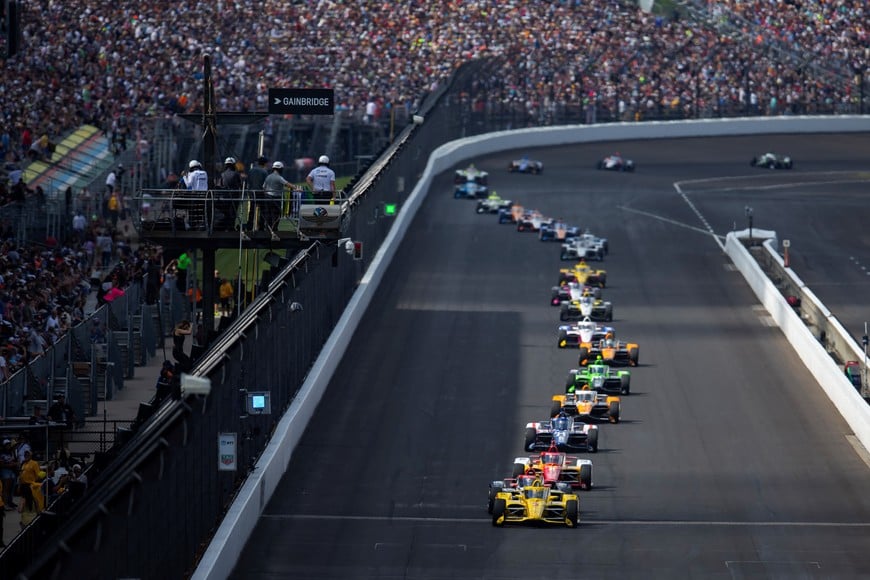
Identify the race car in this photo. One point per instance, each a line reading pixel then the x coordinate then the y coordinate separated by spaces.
pixel 582 273
pixel 595 309
pixel 554 467
pixel 470 190
pixel 493 204
pixel 526 165
pixel 557 231
pixel 616 162
pixel 510 215
pixel 612 352
pixel 772 161
pixel 600 378
pixel 470 173
pixel 572 335
pixel 584 247
pixel 536 503
pixel 587 406
pixel 566 433
pixel 564 293
pixel 522 478
pixel 531 221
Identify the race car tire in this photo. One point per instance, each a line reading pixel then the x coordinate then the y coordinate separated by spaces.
pixel 531 437
pixel 457 194
pixel 518 470
pixel 491 503
pixel 626 384
pixel 563 313
pixel 498 510
pixel 608 315
pixel 520 228
pixel 592 441
pixel 613 412
pixel 583 359
pixel 572 513
pixel 480 209
pixel 600 165
pixel 630 169
pixel 586 476
pixel 771 165
pixel 555 408
pixel 753 163
pixel 633 356
pixel 570 382
pixel 789 165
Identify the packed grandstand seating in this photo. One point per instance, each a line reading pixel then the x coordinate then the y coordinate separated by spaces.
pixel 105 63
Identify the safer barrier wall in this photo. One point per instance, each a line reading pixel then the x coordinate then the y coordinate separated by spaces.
pixel 817 360
pixel 824 325
pixel 228 542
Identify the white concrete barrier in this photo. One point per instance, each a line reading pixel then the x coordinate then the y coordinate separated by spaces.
pixel 824 369
pixel 226 546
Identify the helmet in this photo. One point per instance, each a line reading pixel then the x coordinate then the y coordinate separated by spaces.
pixel 609 335
pixel 277 165
pixel 230 161
pixel 323 159
pixel 261 159
pixel 193 164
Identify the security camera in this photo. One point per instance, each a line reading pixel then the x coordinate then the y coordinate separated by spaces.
pixel 295 307
pixel 418 119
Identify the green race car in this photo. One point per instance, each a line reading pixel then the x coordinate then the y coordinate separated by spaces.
pixel 599 377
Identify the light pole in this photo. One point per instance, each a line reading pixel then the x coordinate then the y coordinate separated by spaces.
pixel 748 211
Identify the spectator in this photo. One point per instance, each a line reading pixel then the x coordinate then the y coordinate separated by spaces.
pixel 27 506
pixel 226 297
pixel 183 362
pixel 79 476
pixel 62 412
pixel 29 469
pixel 9 468
pixel 79 224
pixel 111 182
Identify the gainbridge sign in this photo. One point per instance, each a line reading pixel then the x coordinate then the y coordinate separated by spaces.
pixel 301 101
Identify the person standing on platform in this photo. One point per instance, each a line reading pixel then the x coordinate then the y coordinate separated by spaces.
pixel 321 180
pixel 273 188
pixel 255 180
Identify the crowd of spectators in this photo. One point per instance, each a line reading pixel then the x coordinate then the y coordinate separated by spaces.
pixel 110 63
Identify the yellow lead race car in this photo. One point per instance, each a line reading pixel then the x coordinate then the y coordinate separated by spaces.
pixel 537 503
pixel 583 274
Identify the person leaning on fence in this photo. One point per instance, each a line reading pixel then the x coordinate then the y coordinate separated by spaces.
pixel 321 180
pixel 273 189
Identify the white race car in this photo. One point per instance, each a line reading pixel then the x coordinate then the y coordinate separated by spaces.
pixel 584 247
pixel 616 162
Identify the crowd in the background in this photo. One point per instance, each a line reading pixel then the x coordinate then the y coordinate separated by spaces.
pixel 110 62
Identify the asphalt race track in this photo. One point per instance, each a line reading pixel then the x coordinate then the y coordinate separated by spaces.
pixel 729 462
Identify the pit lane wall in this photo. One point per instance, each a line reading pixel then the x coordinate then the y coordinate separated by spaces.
pixel 227 544
pixel 828 330
pixel 796 326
